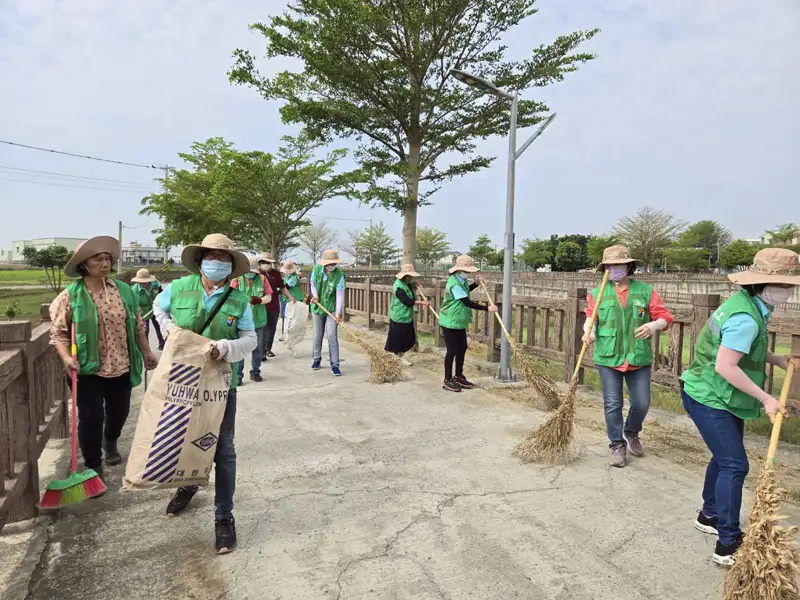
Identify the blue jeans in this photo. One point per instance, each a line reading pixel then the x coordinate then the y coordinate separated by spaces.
pixel 258 353
pixel 638 382
pixel 324 324
pixel 225 462
pixel 723 433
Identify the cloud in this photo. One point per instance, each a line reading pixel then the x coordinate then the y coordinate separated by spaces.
pixel 690 107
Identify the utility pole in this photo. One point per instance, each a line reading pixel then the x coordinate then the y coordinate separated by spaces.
pixel 119 259
pixel 369 250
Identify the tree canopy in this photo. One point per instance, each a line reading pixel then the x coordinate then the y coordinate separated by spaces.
pixel 315 238
pixel 371 246
pixel 535 253
pixel 482 249
pixel 569 256
pixel 52 259
pixel 432 245
pixel 648 233
pixel 738 254
pixel 379 72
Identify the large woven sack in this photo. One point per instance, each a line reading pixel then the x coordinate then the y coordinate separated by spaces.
pixel 296 323
pixel 179 420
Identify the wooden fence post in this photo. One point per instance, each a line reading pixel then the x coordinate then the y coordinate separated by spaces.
pixel 441 286
pixel 573 327
pixel 703 306
pixel 493 329
pixel 19 397
pixel 368 301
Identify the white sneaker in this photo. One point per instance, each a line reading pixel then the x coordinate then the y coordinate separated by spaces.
pixel 405 362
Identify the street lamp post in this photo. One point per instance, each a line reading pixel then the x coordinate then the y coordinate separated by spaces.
pixel 505 373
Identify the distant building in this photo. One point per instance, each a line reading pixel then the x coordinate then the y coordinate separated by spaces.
pixel 136 254
pixel 18 247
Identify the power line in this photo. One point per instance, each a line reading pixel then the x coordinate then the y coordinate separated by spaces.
pixel 68 176
pixel 339 218
pixel 106 160
pixel 79 187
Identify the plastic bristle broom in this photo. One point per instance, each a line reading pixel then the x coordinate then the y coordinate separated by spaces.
pixel 77 487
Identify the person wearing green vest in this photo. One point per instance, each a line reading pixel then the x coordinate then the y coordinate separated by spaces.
pixel 630 313
pixel 292 289
pixel 402 335
pixel 455 316
pixel 724 387
pixel 147 287
pixel 111 345
pixel 255 286
pixel 187 303
pixel 327 291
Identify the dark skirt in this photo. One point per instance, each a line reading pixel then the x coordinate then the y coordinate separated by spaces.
pixel 401 338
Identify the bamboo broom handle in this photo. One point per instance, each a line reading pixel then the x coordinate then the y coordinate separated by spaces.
pixel 497 315
pixel 592 319
pixel 342 325
pixel 421 293
pixel 776 426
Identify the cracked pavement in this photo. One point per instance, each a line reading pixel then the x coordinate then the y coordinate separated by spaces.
pixel 350 491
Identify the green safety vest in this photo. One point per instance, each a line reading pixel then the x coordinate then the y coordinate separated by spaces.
pixel 147 295
pixel 399 312
pixel 701 380
pixel 454 314
pixel 615 342
pixel 87 328
pixel 326 288
pixel 252 284
pixel 294 286
pixel 188 311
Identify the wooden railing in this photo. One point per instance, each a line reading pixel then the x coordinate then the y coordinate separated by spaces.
pixel 33 409
pixel 552 328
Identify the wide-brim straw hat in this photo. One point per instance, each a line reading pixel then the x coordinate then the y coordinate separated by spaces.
pixel 464 263
pixel 143 276
pixel 192 255
pixel 265 257
pixel 288 268
pixel 616 255
pixel 407 271
pixel 770 266
pixel 330 257
pixel 89 248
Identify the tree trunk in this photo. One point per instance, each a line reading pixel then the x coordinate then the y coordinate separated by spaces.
pixel 412 204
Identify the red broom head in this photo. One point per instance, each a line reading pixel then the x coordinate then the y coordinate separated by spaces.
pixel 94 487
pixel 51 500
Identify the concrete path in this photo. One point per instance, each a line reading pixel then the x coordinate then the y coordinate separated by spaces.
pixel 348 490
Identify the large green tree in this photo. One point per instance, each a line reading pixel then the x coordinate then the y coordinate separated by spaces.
pixel 709 236
pixel 569 256
pixel 535 253
pixel 783 234
pixel 258 199
pixel 596 245
pixel 738 254
pixel 52 259
pixel 648 233
pixel 482 249
pixel 379 72
pixel 687 259
pixel 374 246
pixel 432 245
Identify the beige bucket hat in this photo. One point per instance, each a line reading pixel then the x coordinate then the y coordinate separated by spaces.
pixel 143 276
pixel 770 265
pixel 88 249
pixel 330 257
pixel 464 263
pixel 617 255
pixel 265 257
pixel 192 254
pixel 288 268
pixel 407 271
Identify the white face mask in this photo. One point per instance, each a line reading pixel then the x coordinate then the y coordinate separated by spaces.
pixel 774 295
pixel 330 268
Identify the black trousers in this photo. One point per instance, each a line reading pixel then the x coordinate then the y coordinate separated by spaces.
pixel 456 342
pixel 103 407
pixel 269 332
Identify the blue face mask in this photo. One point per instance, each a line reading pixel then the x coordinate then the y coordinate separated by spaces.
pixel 216 270
pixel 461 275
pixel 291 280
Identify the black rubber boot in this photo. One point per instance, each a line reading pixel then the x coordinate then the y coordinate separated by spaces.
pixel 113 457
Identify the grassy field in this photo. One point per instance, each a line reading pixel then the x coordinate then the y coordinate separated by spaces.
pixel 24 277
pixel 28 301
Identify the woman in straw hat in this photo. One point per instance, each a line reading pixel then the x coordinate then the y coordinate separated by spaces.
pixel 327 290
pixel 724 387
pixel 630 313
pixel 402 336
pixel 111 342
pixel 455 317
pixel 256 287
pixel 147 287
pixel 266 266
pixel 187 304
pixel 292 289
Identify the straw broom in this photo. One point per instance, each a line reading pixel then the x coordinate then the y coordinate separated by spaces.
pixel 550 442
pixel 540 382
pixel 767 564
pixel 383 367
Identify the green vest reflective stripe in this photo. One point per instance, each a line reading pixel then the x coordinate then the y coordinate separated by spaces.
pixel 147 295
pixel 399 312
pixel 87 328
pixel 454 313
pixel 188 311
pixel 294 286
pixel 614 340
pixel 254 286
pixel 326 288
pixel 701 380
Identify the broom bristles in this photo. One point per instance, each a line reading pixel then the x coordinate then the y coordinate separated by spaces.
pixel 551 441
pixel 383 367
pixel 539 381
